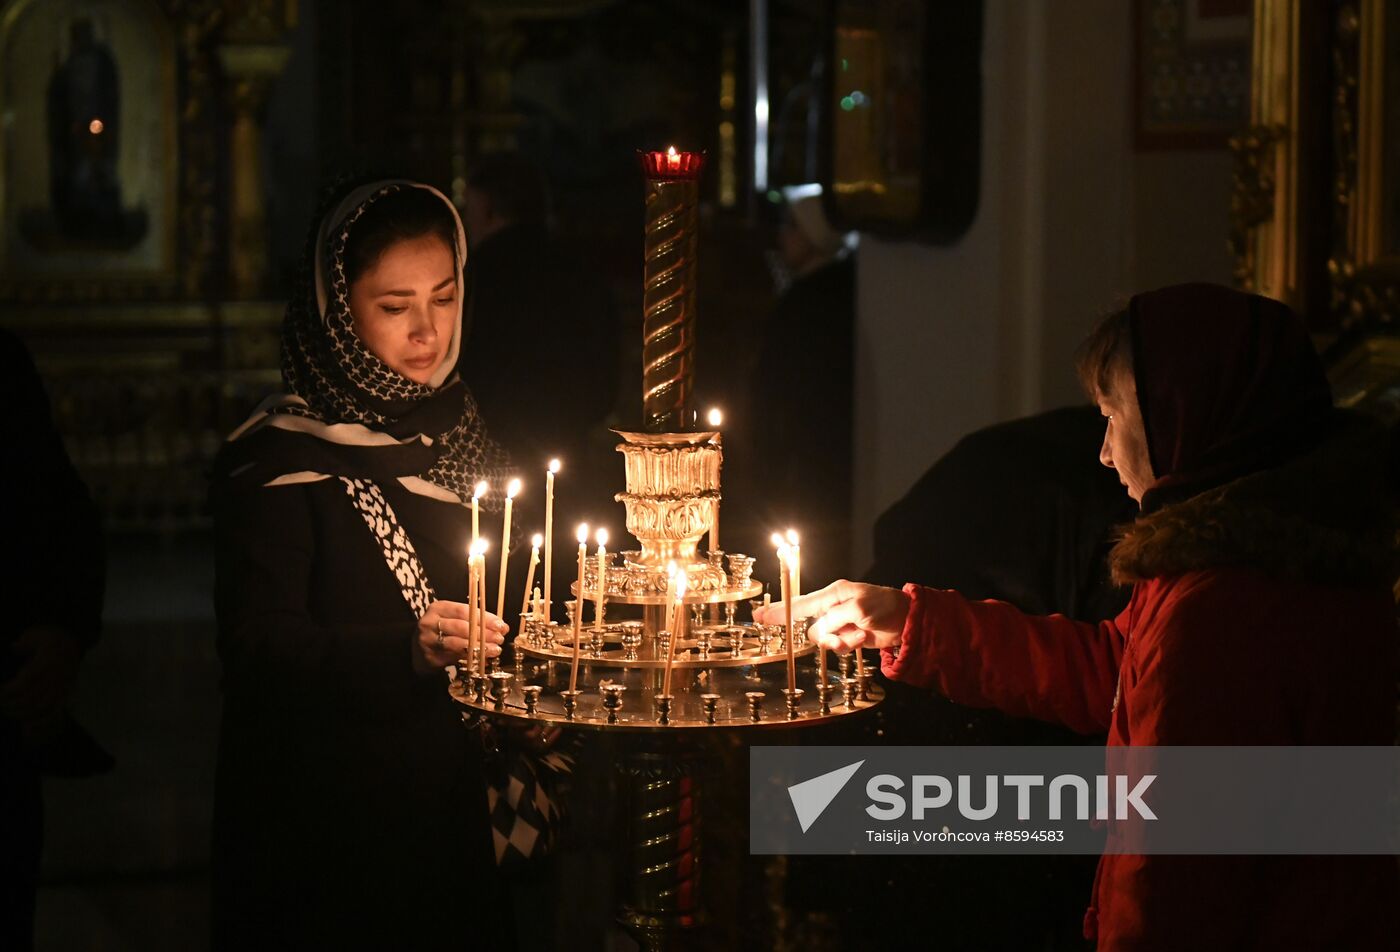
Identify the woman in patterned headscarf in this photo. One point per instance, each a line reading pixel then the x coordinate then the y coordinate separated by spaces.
pixel 351 807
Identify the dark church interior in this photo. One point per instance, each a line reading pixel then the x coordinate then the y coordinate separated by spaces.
pixel 867 238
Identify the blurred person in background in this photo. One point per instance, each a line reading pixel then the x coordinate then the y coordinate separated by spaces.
pixel 54 575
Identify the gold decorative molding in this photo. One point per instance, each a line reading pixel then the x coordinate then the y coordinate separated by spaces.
pixel 251 69
pixel 1252 195
pixel 1264 227
pixel 1363 272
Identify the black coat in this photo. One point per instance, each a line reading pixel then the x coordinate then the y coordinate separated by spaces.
pixel 350 808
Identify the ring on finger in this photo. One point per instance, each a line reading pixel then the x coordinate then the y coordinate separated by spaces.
pixel 439 633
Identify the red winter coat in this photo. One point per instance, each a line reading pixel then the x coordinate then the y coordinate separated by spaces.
pixel 1278 629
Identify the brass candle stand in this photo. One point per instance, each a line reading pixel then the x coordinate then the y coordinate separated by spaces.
pixel 725 674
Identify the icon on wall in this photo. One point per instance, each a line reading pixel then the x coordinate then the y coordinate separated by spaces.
pixel 88 160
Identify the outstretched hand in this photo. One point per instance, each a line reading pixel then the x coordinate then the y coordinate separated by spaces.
pixel 846 615
pixel 444 636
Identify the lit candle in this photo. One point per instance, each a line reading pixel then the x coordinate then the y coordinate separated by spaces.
pixel 677 596
pixel 512 488
pixel 549 536
pixel 578 604
pixel 602 537
pixel 478 629
pixel 530 573
pixel 474 564
pixel 785 572
pixel 479 490
pixel 715 418
pixel 471 606
pixel 795 554
pixel 673 160
pixel 678 628
pixel 670 595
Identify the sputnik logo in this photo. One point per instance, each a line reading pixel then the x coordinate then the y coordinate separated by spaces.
pixel 810 798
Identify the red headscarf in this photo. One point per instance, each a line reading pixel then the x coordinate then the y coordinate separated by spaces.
pixel 1228 383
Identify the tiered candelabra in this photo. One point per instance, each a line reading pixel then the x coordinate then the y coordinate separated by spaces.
pixel 665 650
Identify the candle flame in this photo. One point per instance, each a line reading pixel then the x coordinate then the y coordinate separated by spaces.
pixel 512 488
pixel 554 466
pixel 481 489
pixel 680 583
pixel 792 536
pixel 478 548
pixel 601 536
pixel 715 417
pixel 537 540
pixel 777 540
pixel 582 533
pixel 671 150
pixel 671 569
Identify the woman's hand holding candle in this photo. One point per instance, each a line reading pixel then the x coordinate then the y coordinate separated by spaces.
pixel 454 620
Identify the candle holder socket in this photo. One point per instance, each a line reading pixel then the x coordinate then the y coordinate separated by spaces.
pixel 662 704
pixel 570 703
pixel 500 688
pixel 755 699
pixel 704 636
pixel 532 694
pixel 736 640
pixel 792 698
pixel 710 703
pixel 612 700
pixel 631 638
pixel 848 691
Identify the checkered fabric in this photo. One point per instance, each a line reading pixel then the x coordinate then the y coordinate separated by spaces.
pixel 522 788
pixel 526 811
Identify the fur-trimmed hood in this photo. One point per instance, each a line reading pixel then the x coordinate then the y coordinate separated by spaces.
pixel 1328 517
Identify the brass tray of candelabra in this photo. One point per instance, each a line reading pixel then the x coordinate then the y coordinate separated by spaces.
pixel 731 676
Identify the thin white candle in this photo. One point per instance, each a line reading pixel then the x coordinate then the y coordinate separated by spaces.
pixel 474 564
pixel 530 573
pixel 715 418
pixel 602 539
pixel 670 596
pixel 471 612
pixel 481 599
pixel 785 572
pixel 578 605
pixel 549 536
pixel 676 591
pixel 795 555
pixel 512 488
pixel 479 490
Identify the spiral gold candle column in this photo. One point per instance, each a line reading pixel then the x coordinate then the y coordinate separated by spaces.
pixel 668 288
pixel 662 805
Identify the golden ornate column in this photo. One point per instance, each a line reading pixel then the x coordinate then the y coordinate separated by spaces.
pixel 251 69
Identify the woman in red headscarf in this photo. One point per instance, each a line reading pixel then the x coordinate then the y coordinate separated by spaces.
pixel 1262 611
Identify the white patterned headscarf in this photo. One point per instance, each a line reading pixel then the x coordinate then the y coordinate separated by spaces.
pixel 345 411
